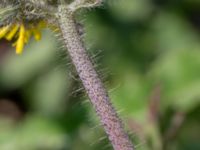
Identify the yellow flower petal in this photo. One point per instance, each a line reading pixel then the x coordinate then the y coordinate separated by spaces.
pixel 12 33
pixel 27 36
pixel 21 40
pixel 37 34
pixel 21 34
pixel 3 31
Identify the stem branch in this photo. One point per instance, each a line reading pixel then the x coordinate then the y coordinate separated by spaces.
pixel 92 83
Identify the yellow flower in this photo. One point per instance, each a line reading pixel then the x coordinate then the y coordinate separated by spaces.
pixel 21 33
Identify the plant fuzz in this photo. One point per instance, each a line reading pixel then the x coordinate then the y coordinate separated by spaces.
pixel 64 11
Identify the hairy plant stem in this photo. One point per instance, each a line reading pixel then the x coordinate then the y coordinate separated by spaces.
pixel 92 83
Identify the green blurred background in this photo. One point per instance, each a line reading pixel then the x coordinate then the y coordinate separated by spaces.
pixel 148 54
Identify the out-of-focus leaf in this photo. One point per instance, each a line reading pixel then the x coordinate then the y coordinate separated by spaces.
pixel 174 33
pixel 132 95
pixel 179 74
pixel 48 93
pixel 33 133
pixel 129 10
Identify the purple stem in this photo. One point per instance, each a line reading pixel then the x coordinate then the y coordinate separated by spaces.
pixel 92 83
